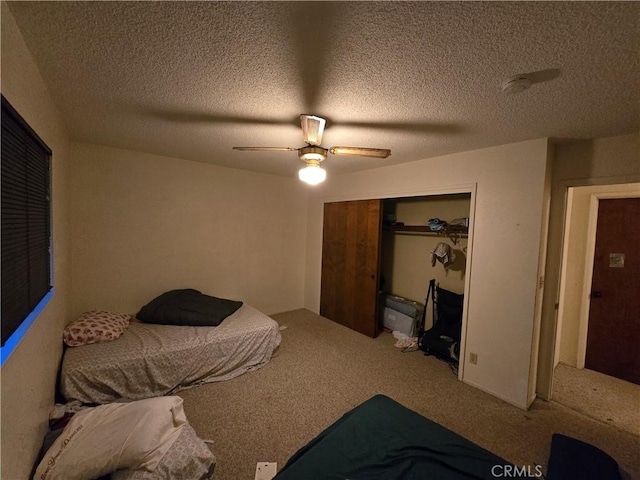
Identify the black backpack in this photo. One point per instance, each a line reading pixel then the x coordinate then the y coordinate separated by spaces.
pixel 443 339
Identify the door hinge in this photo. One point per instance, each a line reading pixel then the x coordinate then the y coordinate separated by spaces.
pixel 541 282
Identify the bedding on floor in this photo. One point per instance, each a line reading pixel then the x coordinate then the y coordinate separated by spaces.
pixel 383 440
pixel 150 360
pixel 147 439
pixel 189 458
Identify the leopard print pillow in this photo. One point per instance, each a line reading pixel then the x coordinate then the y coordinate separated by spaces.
pixel 94 327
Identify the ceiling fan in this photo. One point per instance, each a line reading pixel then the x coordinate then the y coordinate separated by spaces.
pixel 313 154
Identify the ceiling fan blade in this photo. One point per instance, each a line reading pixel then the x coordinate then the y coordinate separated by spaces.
pixel 312 129
pixel 361 152
pixel 267 149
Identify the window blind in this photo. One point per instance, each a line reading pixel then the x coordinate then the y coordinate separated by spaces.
pixel 26 230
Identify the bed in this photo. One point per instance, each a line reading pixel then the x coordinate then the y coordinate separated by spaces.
pixel 150 360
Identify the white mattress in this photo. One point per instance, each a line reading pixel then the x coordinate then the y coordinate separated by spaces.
pixel 153 360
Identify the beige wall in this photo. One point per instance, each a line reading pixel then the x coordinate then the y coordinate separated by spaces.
pixel 602 161
pixel 509 212
pixel 28 376
pixel 144 224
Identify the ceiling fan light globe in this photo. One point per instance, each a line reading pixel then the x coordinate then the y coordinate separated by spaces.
pixel 312 174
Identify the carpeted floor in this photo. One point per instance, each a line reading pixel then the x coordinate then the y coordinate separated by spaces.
pixel 599 396
pixel 321 370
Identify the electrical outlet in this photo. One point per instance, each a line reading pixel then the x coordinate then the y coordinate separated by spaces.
pixel 473 358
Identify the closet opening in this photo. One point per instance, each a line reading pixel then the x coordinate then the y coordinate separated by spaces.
pixel 423 238
pixel 376 249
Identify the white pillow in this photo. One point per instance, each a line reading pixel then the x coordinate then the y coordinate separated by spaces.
pixel 100 440
pixel 189 458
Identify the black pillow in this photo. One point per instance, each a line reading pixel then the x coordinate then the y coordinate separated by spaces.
pixel 571 458
pixel 187 307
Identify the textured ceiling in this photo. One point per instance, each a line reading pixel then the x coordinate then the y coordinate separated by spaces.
pixel 193 79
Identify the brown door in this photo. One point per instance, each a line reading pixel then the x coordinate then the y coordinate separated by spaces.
pixel 613 337
pixel 350 260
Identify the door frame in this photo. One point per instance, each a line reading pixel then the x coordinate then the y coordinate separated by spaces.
pixel 598 191
pixel 589 261
pixel 467 188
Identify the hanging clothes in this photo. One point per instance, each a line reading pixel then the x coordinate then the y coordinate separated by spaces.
pixel 443 253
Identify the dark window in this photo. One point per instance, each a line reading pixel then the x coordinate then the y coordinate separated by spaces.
pixel 26 230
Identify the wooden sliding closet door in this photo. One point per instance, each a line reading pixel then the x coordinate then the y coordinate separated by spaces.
pixel 350 261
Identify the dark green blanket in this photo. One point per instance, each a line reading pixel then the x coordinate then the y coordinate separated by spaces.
pixel 382 440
